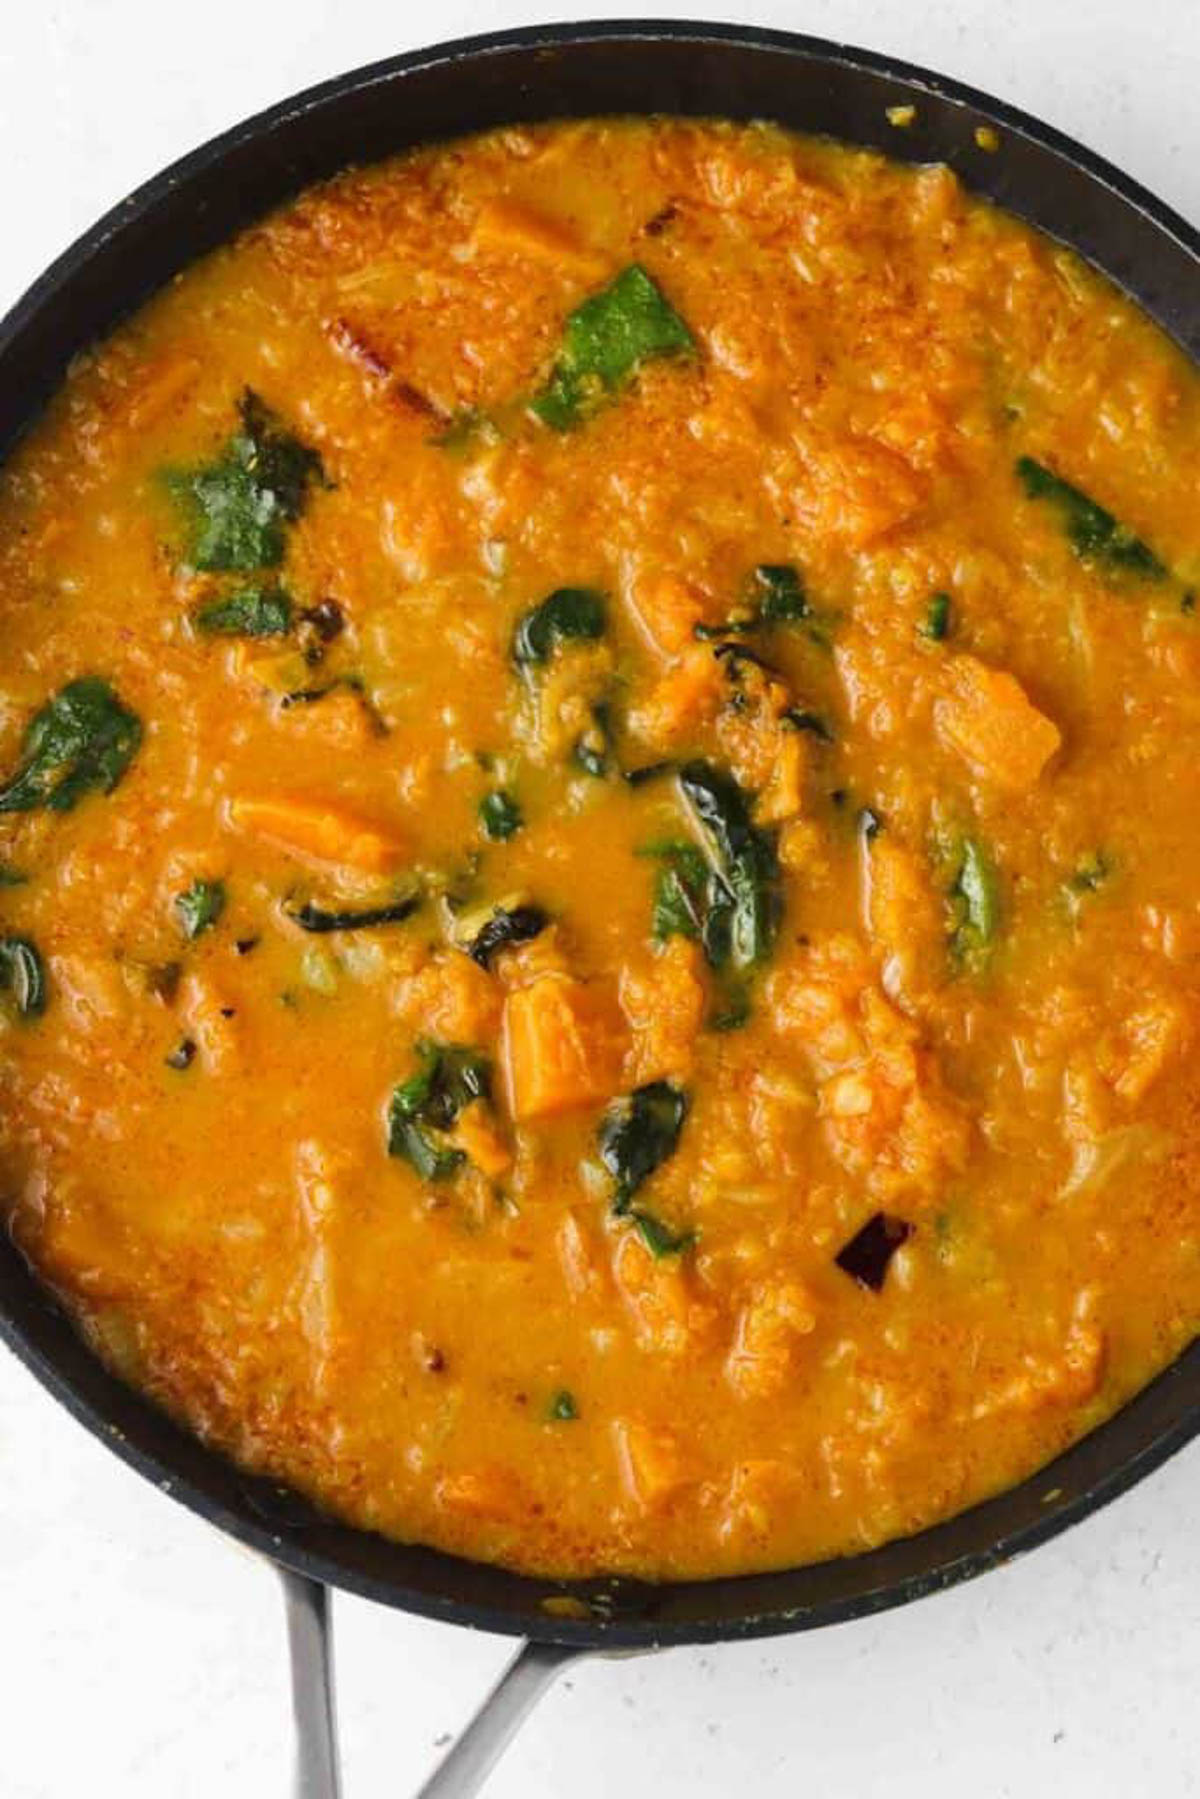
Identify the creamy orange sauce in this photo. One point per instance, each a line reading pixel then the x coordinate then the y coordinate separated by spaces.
pixel 968 1023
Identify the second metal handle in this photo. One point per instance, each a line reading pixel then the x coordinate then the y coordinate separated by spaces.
pixel 318 1776
pixel 533 1668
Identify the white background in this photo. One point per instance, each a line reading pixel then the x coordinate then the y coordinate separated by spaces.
pixel 141 1655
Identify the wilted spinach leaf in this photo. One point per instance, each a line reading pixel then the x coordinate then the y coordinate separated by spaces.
pixel 200 907
pixel 238 506
pixel 82 740
pixel 424 1107
pixel 567 613
pixel 605 341
pixel 743 918
pixel 637 1134
pixel 1094 534
pixel 681 890
pixel 974 902
pixel 779 588
pixel 936 623
pixel 658 1237
pixel 250 612
pixel 774 594
pixel 500 815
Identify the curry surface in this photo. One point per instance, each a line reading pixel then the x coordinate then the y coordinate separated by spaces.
pixel 969 1014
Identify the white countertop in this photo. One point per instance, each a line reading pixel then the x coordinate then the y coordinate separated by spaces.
pixel 143 1655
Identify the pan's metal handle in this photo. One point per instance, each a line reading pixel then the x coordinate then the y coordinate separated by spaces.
pixel 310 1637
pixel 533 1668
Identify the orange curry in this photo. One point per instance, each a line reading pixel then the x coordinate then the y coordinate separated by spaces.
pixel 600 928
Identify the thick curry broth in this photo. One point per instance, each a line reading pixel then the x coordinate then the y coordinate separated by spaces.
pixel 997 1053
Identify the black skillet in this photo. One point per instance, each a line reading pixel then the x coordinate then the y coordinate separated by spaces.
pixel 549 72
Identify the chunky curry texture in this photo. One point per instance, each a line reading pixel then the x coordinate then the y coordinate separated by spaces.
pixel 600 940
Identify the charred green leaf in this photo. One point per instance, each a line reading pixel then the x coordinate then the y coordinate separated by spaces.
pixel 1091 874
pixel 801 720
pixel 593 749
pixel 321 920
pixel 23 976
pixel 504 928
pixel 648 771
pixel 868 1254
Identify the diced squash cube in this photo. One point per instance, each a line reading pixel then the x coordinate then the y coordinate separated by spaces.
pixel 319 832
pixel 562 1046
pixel 667 607
pixel 904 917
pixel 83 1246
pixel 687 695
pixel 487 1492
pixel 664 1000
pixel 653 1468
pixel 757 1490
pixel 452 999
pixel 857 491
pixel 668 1318
pixel 988 719
pixel 508 224
pixel 341 722
pixel 776 1317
